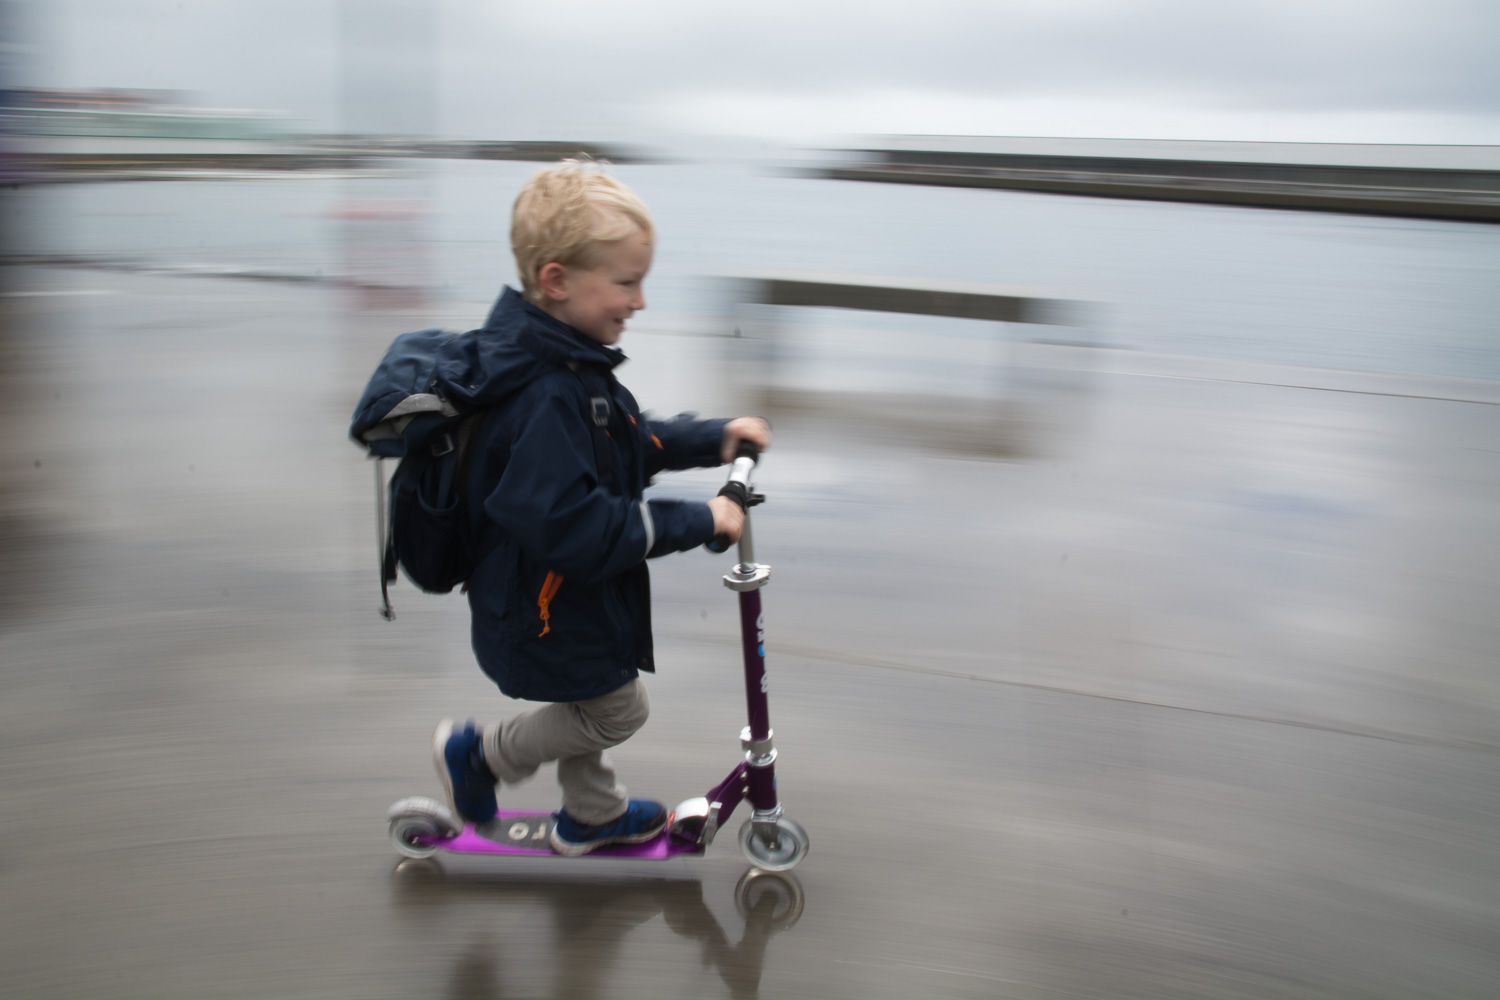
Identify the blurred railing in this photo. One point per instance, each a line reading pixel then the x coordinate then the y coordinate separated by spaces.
pixel 971 388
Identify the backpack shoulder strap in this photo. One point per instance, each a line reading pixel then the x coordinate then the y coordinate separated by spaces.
pixel 596 386
pixel 490 534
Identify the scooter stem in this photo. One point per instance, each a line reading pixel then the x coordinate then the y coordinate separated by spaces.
pixel 747 545
pixel 760 752
pixel 747 578
pixel 753 636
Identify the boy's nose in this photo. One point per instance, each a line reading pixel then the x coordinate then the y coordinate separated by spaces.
pixel 639 302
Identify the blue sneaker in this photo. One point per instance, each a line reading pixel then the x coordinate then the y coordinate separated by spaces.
pixel 641 821
pixel 458 755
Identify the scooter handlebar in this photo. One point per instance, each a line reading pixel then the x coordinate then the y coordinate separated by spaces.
pixel 737 488
pixel 746 449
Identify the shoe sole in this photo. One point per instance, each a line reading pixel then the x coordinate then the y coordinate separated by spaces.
pixel 440 737
pixel 569 849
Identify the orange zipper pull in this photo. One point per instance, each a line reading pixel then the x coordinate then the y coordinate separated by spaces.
pixel 544 600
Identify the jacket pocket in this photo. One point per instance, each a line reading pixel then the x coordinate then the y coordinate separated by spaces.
pixel 567 620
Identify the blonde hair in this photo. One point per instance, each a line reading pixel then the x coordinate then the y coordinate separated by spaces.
pixel 564 213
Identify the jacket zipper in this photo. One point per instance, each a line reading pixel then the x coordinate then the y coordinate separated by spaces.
pixel 544 600
pixel 654 439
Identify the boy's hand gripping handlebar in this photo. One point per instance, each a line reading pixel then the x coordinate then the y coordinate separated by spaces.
pixel 738 489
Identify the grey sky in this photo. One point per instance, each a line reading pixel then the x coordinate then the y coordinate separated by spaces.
pixel 1340 70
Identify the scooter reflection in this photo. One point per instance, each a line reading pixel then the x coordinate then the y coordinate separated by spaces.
pixel 589 921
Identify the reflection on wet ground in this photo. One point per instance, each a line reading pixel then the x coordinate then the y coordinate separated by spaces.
pixel 580 925
pixel 1197 700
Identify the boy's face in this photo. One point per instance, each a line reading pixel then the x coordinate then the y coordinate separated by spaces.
pixel 598 300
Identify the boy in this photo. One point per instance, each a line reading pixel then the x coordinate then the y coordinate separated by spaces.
pixel 561 605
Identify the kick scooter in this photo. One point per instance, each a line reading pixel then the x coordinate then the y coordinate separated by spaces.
pixel 421 827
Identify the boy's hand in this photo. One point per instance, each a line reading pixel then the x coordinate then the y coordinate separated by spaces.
pixel 752 429
pixel 729 519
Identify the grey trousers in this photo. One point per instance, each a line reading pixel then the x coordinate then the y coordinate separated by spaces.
pixel 575 734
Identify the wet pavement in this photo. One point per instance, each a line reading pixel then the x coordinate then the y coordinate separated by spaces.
pixel 1197 698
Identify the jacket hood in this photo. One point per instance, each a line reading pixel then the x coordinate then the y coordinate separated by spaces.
pixel 517 343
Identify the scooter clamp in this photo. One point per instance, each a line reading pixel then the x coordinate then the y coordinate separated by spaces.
pixel 758 753
pixel 748 576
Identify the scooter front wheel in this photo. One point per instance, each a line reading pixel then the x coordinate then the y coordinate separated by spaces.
pixel 787 852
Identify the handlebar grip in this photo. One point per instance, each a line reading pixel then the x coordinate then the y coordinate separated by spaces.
pixel 737 491
pixel 740 494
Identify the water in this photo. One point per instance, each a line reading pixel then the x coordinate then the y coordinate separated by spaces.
pixel 1339 291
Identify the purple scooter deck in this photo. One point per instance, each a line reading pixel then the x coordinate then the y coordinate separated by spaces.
pixel 526 834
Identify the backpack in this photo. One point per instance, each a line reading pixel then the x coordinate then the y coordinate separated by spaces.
pixel 403 415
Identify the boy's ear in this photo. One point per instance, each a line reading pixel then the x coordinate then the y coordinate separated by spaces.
pixel 553 279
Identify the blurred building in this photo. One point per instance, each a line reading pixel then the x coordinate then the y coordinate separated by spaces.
pixel 146 114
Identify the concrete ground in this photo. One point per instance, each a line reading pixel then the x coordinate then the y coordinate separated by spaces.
pixel 1196 699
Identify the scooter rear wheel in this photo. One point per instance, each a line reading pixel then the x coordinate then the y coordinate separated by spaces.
pixel 416 822
pixel 789 850
pixel 409 832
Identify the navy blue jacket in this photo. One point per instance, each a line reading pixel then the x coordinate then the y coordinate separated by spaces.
pixel 562 605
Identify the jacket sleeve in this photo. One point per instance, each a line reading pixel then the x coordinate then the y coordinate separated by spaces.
pixel 550 501
pixel 682 443
pixel 679 525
